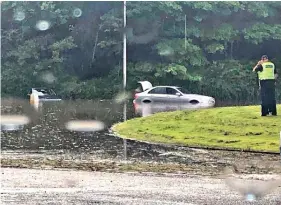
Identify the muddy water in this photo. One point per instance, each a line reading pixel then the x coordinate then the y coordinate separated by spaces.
pixel 47 135
pixel 47 128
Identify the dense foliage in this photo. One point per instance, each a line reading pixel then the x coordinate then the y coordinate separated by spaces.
pixel 79 46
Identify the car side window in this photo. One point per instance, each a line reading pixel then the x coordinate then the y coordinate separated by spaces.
pixel 171 91
pixel 158 91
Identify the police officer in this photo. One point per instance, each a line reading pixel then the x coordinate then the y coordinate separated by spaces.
pixel 267 75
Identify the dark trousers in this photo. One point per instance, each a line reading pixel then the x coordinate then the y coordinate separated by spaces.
pixel 268 100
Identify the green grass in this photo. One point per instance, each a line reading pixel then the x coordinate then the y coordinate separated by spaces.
pixel 230 127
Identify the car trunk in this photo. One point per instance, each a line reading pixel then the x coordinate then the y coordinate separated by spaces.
pixel 143 86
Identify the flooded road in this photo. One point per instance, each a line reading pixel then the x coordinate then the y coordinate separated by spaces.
pixel 47 129
pixel 47 136
pixel 47 132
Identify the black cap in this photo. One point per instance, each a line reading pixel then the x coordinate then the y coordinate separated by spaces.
pixel 264 57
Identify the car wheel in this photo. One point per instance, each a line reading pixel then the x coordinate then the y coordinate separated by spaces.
pixel 146 101
pixel 193 102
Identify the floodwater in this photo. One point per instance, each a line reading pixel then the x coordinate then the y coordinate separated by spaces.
pixel 47 130
pixel 47 134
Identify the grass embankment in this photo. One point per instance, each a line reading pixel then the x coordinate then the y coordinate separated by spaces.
pixel 231 127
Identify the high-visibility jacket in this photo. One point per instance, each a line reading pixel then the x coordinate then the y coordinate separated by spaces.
pixel 268 71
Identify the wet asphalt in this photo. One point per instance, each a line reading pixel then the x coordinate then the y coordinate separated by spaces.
pixel 30 186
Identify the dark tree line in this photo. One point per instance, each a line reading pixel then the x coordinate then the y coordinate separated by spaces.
pixel 81 46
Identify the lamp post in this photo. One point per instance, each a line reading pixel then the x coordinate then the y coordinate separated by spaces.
pixel 124 73
pixel 124 48
pixel 185 32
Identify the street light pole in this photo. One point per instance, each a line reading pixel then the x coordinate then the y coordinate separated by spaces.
pixel 125 73
pixel 124 49
pixel 185 32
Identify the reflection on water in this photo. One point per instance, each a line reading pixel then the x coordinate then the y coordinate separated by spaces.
pixel 146 109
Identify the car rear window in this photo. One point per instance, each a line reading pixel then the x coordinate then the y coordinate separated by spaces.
pixel 159 90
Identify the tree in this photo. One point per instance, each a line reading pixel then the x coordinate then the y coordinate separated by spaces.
pixel 80 43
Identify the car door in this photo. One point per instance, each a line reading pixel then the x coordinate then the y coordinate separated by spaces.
pixel 172 95
pixel 158 95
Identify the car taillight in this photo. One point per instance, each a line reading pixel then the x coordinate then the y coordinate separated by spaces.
pixel 136 95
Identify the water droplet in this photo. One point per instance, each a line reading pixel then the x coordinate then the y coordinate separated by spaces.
pixel 250 189
pixel 250 197
pixel 13 122
pixel 43 25
pixel 48 77
pixel 77 12
pixel 166 52
pixel 85 125
pixel 15 119
pixel 122 97
pixel 19 15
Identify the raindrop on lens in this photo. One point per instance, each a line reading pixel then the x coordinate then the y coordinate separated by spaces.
pixel 13 122
pixel 166 52
pixel 48 78
pixel 42 25
pixel 250 197
pixel 85 125
pixel 122 97
pixel 19 15
pixel 77 12
pixel 251 191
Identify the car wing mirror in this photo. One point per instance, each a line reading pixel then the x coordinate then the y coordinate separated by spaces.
pixel 178 94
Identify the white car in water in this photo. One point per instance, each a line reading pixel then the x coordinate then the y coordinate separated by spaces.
pixel 45 94
pixel 169 97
